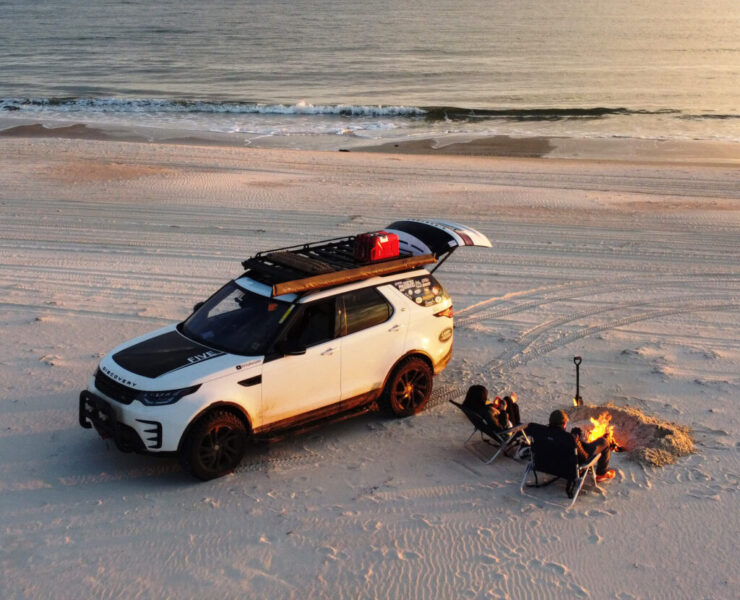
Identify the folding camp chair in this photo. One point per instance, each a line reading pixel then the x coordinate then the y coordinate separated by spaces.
pixel 554 453
pixel 500 439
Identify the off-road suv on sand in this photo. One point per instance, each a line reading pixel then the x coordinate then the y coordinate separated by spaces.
pixel 307 334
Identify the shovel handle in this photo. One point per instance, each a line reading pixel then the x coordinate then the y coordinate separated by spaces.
pixel 577 360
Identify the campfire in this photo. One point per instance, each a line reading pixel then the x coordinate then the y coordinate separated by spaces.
pixel 644 439
pixel 602 426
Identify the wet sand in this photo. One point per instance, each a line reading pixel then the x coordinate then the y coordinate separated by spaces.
pixel 615 149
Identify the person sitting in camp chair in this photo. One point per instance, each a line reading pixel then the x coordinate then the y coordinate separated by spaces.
pixel 562 455
pixel 587 450
pixel 476 399
pixel 492 424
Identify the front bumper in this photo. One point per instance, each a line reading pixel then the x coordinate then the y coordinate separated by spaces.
pixel 96 412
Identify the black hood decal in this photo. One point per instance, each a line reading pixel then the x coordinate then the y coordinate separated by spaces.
pixel 163 354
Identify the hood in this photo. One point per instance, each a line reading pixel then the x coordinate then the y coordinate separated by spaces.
pixel 163 353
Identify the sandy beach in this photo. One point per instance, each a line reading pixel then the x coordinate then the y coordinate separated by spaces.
pixel 629 259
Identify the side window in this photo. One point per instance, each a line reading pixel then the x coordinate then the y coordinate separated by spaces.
pixel 424 290
pixel 315 324
pixel 365 308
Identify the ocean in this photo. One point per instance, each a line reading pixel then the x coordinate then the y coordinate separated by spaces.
pixel 375 69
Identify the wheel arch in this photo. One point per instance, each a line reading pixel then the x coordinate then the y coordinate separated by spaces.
pixel 387 399
pixel 411 354
pixel 231 407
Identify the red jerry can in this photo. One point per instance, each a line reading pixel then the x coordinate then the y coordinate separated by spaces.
pixel 376 245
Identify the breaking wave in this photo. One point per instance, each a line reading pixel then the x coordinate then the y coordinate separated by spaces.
pixel 159 106
pixel 428 113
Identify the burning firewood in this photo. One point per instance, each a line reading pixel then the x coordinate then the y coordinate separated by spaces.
pixel 645 439
pixel 602 426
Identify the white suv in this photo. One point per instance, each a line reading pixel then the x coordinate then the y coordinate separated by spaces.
pixel 306 335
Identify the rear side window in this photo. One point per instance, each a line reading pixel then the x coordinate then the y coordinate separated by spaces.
pixel 424 290
pixel 365 308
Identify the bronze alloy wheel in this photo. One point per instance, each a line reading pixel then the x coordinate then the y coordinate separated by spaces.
pixel 409 387
pixel 216 445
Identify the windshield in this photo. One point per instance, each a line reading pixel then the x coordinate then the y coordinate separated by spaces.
pixel 237 321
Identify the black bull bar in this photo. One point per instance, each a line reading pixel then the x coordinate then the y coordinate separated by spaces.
pixel 98 413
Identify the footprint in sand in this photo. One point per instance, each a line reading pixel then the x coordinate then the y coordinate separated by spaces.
pixel 594 537
pixel 371 526
pixel 433 521
pixel 407 555
pixel 579 591
pixel 600 513
pixel 702 494
pixel 332 553
pixel 384 553
pixel 556 568
pixel 50 359
pixel 699 475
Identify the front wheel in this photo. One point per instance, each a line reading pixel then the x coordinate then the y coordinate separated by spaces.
pixel 409 387
pixel 215 446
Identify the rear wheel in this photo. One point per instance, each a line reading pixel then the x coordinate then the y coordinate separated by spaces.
pixel 409 387
pixel 215 446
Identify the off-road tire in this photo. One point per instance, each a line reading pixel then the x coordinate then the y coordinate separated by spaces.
pixel 215 445
pixel 409 387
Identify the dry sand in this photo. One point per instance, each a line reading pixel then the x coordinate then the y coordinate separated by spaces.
pixel 635 267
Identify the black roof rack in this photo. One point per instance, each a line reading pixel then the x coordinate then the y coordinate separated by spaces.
pixel 321 264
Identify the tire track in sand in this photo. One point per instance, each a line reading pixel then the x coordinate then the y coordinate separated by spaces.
pixel 526 347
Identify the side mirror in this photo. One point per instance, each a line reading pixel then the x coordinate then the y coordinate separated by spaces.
pixel 290 348
pixel 198 305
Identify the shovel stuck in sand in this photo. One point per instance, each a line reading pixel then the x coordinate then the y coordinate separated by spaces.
pixel 577 400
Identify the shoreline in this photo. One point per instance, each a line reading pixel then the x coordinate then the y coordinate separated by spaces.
pixel 623 149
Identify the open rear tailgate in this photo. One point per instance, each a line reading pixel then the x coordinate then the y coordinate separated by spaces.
pixel 435 236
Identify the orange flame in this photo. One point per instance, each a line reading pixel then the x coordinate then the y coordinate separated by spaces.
pixel 601 426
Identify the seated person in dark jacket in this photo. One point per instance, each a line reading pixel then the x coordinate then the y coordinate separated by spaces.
pixel 477 400
pixel 587 450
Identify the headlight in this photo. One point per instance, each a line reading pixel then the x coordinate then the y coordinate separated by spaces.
pixel 165 396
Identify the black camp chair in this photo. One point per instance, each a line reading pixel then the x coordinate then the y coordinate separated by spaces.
pixel 500 439
pixel 554 453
